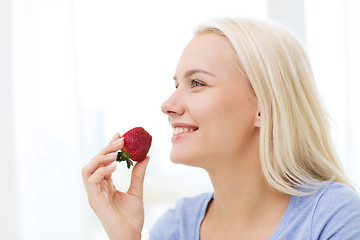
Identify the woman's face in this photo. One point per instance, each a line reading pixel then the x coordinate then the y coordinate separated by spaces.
pixel 212 112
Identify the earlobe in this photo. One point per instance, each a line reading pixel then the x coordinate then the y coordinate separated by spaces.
pixel 258 119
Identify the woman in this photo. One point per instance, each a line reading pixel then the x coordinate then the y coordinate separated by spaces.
pixel 246 110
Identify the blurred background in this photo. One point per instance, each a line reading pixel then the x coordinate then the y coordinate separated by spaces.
pixel 73 72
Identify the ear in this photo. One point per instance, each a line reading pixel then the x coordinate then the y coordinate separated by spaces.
pixel 257 122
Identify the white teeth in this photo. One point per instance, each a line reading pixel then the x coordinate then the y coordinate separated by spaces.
pixel 179 130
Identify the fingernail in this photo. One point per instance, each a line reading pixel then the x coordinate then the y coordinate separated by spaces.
pixel 118 141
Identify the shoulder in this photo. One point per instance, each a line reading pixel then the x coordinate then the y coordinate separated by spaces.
pixel 180 222
pixel 337 212
pixel 331 212
pixel 337 196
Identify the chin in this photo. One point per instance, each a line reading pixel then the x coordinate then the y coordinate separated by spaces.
pixel 184 159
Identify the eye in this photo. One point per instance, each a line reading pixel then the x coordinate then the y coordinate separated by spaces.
pixel 196 83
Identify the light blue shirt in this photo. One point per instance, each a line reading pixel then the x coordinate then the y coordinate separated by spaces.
pixel 333 212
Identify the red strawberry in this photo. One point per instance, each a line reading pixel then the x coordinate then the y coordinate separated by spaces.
pixel 137 143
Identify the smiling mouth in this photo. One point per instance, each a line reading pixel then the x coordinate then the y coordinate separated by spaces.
pixel 179 130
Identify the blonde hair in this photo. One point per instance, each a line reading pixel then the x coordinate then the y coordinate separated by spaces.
pixel 296 149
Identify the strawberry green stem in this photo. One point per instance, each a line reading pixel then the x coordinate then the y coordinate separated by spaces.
pixel 124 156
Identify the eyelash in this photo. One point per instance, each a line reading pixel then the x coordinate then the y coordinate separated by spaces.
pixel 193 83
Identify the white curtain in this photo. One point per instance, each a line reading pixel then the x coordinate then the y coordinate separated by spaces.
pixel 73 64
pixel 47 121
pixel 333 33
pixel 330 31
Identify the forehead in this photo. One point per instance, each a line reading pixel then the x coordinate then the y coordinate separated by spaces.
pixel 208 51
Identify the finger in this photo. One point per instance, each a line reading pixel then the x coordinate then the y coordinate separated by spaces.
pixel 100 174
pixel 95 185
pixel 137 178
pixel 105 156
pixel 96 162
pixel 113 146
pixel 106 185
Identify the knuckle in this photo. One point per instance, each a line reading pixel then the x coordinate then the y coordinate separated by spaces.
pixel 84 171
pixel 91 181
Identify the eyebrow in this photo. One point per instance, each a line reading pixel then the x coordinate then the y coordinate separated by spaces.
pixel 194 71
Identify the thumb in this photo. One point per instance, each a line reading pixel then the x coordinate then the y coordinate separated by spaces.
pixel 137 178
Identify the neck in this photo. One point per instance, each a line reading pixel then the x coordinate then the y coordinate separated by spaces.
pixel 242 199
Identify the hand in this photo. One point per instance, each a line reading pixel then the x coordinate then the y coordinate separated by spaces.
pixel 121 214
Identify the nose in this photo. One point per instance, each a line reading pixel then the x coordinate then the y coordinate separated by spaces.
pixel 173 105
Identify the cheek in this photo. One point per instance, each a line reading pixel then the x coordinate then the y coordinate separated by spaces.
pixel 227 125
pixel 221 114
